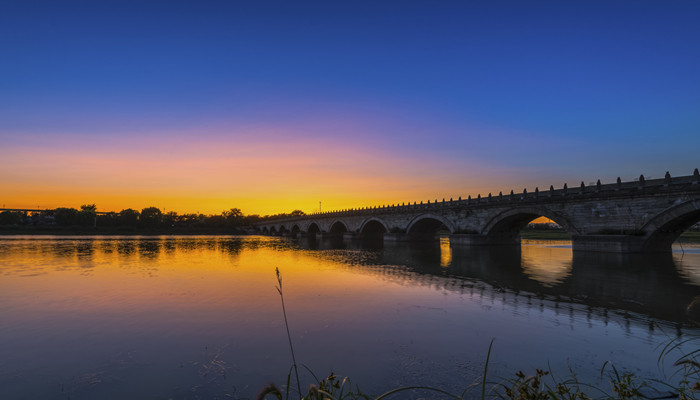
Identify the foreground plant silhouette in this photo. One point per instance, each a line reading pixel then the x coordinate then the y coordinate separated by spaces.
pixel 542 385
pixel 286 324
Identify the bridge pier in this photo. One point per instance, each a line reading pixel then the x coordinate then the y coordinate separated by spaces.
pixel 352 235
pixel 609 243
pixel 580 243
pixel 396 237
pixel 317 235
pixel 407 237
pixel 471 239
pixel 325 235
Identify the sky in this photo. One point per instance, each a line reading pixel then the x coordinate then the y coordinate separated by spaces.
pixel 203 106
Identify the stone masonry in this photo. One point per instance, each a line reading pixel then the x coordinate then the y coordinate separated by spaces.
pixel 638 216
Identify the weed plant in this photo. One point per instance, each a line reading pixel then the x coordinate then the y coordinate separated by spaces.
pixel 542 385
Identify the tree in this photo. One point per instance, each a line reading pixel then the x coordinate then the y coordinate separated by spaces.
pixel 87 214
pixel 214 220
pixel 296 213
pixel 189 219
pixel 151 216
pixel 88 208
pixel 233 217
pixel 10 218
pixel 66 216
pixel 128 217
pixel 252 219
pixel 108 219
pixel 170 218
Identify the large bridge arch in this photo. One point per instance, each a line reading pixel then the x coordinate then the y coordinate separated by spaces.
pixel 506 226
pixel 338 227
pixel 295 229
pixel 313 228
pixel 373 225
pixel 429 224
pixel 663 229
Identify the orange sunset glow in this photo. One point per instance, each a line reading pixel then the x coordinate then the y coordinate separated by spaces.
pixel 259 177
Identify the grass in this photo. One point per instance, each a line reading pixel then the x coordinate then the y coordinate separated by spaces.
pixel 541 385
pixel 286 324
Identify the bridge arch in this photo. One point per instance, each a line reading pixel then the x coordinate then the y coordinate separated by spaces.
pixel 338 227
pixel 273 231
pixel 283 230
pixel 506 226
pixel 295 229
pixel 429 224
pixel 373 225
pixel 265 231
pixel 313 228
pixel 667 226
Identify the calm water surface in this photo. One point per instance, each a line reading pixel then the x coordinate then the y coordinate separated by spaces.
pixel 199 317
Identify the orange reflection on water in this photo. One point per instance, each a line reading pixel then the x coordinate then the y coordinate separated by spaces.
pixel 445 252
pixel 190 280
pixel 687 259
pixel 548 262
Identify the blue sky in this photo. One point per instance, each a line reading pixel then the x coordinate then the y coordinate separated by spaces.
pixel 485 95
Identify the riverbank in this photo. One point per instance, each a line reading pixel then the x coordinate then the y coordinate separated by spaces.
pixel 111 231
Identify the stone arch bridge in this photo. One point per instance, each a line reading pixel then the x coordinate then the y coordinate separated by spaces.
pixel 638 216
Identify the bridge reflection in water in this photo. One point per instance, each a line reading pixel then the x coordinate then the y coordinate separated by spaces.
pixel 660 288
pixel 389 314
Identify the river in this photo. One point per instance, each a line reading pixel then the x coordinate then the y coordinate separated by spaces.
pixel 198 317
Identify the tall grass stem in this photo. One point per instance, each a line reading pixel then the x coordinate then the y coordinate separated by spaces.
pixel 486 368
pixel 289 336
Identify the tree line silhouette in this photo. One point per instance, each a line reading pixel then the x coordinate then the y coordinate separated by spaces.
pixel 149 218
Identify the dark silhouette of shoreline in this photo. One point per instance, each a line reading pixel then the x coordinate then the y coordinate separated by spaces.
pixel 149 221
